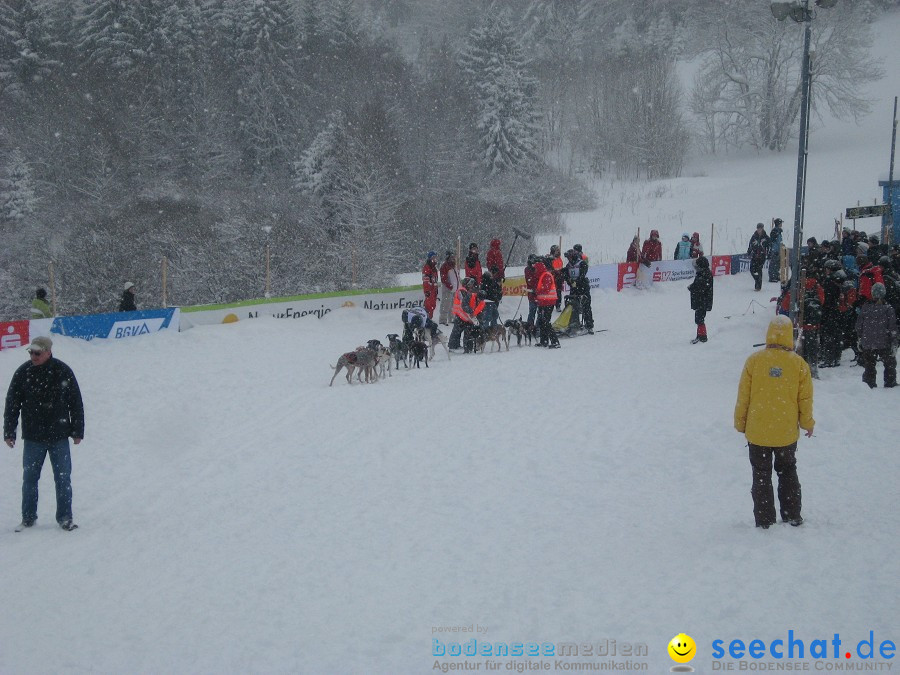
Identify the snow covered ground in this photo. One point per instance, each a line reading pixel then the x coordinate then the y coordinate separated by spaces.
pixel 238 515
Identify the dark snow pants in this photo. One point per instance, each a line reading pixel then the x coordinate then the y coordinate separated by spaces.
pixel 869 357
pixel 756 270
pixel 788 483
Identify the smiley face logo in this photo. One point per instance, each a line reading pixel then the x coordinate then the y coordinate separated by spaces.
pixel 682 648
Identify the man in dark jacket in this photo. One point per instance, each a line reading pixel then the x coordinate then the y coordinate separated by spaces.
pixel 127 302
pixel 877 329
pixel 493 294
pixel 576 276
pixel 758 250
pixel 46 393
pixel 776 236
pixel 832 321
pixel 701 290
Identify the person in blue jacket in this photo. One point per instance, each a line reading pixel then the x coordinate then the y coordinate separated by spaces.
pixel 683 248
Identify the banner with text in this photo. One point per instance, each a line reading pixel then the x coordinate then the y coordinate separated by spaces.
pixel 118 325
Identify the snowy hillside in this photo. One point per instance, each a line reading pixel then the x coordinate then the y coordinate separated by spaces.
pixel 237 515
pixel 846 161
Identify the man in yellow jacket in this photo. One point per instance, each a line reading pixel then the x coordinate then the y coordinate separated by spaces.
pixel 775 400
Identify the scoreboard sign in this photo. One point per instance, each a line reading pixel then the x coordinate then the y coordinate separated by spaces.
pixel 855 212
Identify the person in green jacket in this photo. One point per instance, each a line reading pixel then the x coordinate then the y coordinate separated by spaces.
pixel 39 307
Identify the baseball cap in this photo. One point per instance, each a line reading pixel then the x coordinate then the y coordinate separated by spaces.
pixel 40 344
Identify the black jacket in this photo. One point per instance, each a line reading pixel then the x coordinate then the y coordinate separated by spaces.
pixel 492 290
pixel 49 400
pixel 127 303
pixel 758 248
pixel 701 287
pixel 576 277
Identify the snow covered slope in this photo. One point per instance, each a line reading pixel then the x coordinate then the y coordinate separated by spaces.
pixel 846 161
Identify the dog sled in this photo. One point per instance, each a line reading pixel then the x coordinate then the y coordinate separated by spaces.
pixel 568 323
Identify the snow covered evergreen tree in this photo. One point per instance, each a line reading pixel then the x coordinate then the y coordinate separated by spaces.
pixel 358 207
pixel 17 196
pixel 268 89
pixel 505 95
pixel 26 47
pixel 113 35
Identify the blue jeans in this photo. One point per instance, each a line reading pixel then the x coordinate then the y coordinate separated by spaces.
pixel 32 463
pixel 532 310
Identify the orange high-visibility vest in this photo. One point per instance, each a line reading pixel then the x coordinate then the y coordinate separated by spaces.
pixel 546 290
pixel 474 305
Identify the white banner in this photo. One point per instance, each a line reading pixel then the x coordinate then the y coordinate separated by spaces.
pixel 302 307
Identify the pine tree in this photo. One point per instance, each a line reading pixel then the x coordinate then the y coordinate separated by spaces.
pixel 267 78
pixel 505 93
pixel 344 32
pixel 113 36
pixel 26 47
pixel 17 196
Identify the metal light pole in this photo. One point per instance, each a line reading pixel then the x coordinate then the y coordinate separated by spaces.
pixel 801 167
pixel 799 11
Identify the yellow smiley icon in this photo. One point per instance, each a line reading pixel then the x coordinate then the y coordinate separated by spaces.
pixel 682 648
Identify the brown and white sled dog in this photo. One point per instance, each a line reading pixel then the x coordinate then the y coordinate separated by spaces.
pixel 347 361
pixel 495 334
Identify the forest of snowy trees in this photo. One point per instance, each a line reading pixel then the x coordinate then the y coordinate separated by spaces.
pixel 351 136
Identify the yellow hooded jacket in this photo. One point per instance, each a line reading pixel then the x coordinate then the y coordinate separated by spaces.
pixel 775 395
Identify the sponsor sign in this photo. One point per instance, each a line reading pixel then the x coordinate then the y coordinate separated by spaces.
pixel 315 306
pixel 627 275
pixel 672 270
pixel 721 265
pixel 117 326
pixel 740 263
pixel 14 334
pixel 511 286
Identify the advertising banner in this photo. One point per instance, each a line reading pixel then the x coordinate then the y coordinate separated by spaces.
pixel 14 334
pixel 740 263
pixel 314 306
pixel 514 286
pixel 721 265
pixel 118 325
pixel 627 275
pixel 672 270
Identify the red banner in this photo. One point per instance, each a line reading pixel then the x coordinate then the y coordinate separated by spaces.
pixel 13 334
pixel 627 275
pixel 721 265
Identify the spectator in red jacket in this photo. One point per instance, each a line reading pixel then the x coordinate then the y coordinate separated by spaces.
pixel 696 246
pixel 449 285
pixel 634 251
pixel 495 259
pixel 473 264
pixel 652 250
pixel 869 274
pixel 650 253
pixel 430 282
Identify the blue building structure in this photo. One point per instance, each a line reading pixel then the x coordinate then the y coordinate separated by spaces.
pixel 884 184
